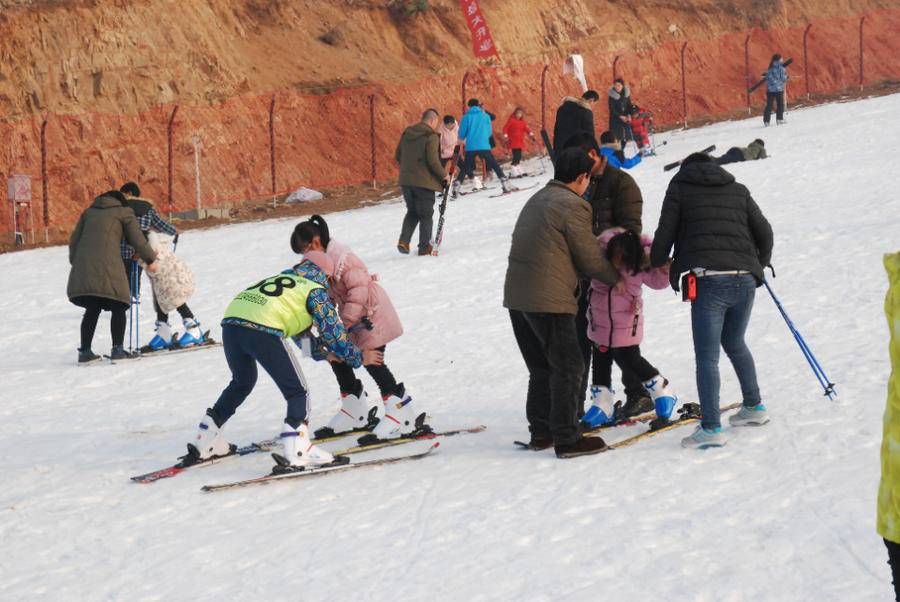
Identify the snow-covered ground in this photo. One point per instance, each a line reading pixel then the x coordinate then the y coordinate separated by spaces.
pixel 784 512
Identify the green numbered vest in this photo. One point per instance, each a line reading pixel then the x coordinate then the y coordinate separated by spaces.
pixel 277 302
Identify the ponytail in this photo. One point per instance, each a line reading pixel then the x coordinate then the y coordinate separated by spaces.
pixel 304 232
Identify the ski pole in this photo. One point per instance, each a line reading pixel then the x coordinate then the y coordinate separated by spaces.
pixel 130 305
pixel 826 384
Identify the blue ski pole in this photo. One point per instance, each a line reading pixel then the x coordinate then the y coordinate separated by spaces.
pixel 826 384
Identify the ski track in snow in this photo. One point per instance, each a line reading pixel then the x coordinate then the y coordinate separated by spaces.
pixel 783 512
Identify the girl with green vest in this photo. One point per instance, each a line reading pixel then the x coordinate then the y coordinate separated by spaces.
pixel 255 329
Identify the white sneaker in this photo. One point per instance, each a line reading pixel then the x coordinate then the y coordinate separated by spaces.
pixel 356 413
pixel 754 416
pixel 209 442
pixel 477 184
pixel 703 438
pixel 400 417
pixel 299 450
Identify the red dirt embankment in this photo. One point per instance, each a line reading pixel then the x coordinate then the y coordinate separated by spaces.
pixel 108 75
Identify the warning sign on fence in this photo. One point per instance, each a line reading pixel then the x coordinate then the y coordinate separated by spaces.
pixel 18 188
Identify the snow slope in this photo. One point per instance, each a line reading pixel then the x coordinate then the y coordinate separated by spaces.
pixel 784 512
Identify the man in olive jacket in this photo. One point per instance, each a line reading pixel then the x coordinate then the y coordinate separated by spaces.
pixel 97 280
pixel 421 175
pixel 552 247
pixel 720 234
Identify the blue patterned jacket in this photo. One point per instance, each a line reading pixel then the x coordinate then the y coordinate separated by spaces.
pixel 776 76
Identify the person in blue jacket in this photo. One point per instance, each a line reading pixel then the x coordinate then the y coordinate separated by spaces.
pixel 611 149
pixel 475 134
pixel 776 77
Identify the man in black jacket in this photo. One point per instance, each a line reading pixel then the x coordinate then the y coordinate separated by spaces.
pixel 721 236
pixel 574 116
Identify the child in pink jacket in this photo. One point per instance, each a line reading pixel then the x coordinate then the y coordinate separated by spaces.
pixel 616 325
pixel 372 322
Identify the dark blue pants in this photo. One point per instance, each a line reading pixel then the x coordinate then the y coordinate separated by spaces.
pixel 490 161
pixel 244 347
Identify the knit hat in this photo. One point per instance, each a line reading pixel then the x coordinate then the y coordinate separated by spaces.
pixel 321 260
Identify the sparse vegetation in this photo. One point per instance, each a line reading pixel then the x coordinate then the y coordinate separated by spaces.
pixel 408 8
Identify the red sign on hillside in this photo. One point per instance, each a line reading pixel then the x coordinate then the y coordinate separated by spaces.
pixel 482 42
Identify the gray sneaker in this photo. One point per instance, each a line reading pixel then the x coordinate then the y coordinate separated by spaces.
pixel 703 438
pixel 750 416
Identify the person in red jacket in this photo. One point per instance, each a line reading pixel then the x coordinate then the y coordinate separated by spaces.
pixel 640 121
pixel 514 135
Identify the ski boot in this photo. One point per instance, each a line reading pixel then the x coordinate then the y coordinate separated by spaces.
pixel 300 452
pixel 209 442
pixel 601 411
pixel 401 419
pixel 161 340
pixel 454 190
pixel 192 335
pixel 703 438
pixel 118 353
pixel 663 400
pixel 505 185
pixel 356 413
pixel 477 184
pixel 750 416
pixel 86 356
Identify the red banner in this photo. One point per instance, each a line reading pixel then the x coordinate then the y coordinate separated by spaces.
pixel 482 42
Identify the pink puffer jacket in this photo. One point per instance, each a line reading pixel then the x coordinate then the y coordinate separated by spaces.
pixel 616 318
pixel 357 294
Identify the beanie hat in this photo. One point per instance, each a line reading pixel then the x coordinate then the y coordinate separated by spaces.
pixel 321 260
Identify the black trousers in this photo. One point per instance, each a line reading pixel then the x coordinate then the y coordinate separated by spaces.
pixel 347 381
pixel 92 308
pixel 776 98
pixel 630 381
pixel 733 155
pixel 627 358
pixel 489 160
pixel 516 156
pixel 894 562
pixel 419 213
pixel 549 346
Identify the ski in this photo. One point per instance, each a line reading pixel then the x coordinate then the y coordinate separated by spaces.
pixel 439 235
pixel 147 351
pixel 512 190
pixel 474 190
pixel 340 465
pixel 672 425
pixel 674 164
pixel 401 440
pixel 251 448
pixel 269 444
pixel 636 419
pixel 787 63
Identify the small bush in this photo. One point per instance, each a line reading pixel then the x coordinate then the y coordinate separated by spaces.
pixel 408 8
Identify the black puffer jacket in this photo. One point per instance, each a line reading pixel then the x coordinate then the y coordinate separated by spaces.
pixel 713 223
pixel 616 201
pixel 574 116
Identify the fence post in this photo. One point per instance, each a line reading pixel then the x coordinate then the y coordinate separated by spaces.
pixel 464 80
pixel 806 58
pixel 544 96
pixel 195 139
pixel 272 147
pixel 747 70
pixel 372 135
pixel 615 64
pixel 171 172
pixel 684 86
pixel 44 180
pixel 862 20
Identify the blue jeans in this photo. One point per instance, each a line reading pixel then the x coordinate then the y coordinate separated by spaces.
pixel 719 317
pixel 244 347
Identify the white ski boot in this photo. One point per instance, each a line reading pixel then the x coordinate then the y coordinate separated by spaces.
pixel 356 413
pixel 515 171
pixel 209 442
pixel 601 410
pixel 401 419
pixel 454 189
pixel 161 340
pixel 477 184
pixel 299 451
pixel 192 335
pixel 663 398
pixel 505 185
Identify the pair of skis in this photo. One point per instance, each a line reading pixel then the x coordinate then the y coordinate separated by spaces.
pixel 439 234
pixel 674 164
pixel 269 444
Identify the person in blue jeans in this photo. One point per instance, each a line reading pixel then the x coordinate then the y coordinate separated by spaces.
pixel 720 234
